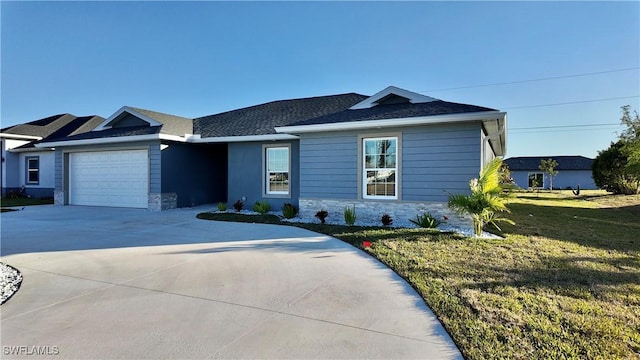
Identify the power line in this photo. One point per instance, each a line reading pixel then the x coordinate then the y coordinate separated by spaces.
pixel 571 102
pixel 533 80
pixel 564 126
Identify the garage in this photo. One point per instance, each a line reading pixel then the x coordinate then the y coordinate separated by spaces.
pixel 109 178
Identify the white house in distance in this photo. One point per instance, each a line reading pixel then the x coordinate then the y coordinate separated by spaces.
pixel 573 171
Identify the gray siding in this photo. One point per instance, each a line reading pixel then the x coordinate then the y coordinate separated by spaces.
pixel 130 120
pixel 246 178
pixel 435 160
pixel 196 173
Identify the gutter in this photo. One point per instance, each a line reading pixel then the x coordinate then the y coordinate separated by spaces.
pixel 19 137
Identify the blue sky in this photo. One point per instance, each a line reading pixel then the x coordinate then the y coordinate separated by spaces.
pixel 200 58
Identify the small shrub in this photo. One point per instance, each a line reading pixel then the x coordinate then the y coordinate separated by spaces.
pixel 289 211
pixel 238 205
pixel 386 220
pixel 322 215
pixel 222 206
pixel 426 221
pixel 261 207
pixel 350 215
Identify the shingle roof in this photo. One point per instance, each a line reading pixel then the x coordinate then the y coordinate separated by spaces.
pixel 109 133
pixel 42 127
pixel 171 124
pixel 262 119
pixel 395 111
pixel 564 162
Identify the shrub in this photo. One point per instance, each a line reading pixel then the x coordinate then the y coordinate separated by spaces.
pixel 350 215
pixel 485 201
pixel 426 221
pixel 222 206
pixel 261 207
pixel 322 215
pixel 289 211
pixel 386 220
pixel 238 205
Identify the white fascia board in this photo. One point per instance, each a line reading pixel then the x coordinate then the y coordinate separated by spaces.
pixel 172 138
pixel 226 139
pixel 413 97
pixel 19 137
pixel 104 124
pixel 31 150
pixel 97 141
pixel 373 124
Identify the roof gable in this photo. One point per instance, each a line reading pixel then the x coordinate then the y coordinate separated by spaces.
pixel 392 95
pixel 128 116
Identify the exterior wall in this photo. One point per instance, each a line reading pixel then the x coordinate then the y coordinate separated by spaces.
pixel 434 161
pixel 157 200
pixel 130 120
pixel 197 174
pixel 564 179
pixel 246 174
pixel 10 165
pixel 45 186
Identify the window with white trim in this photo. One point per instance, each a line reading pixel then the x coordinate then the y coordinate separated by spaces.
pixel 380 168
pixel 277 168
pixel 536 180
pixel 33 170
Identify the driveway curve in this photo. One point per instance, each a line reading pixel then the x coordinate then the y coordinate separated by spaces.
pixel 123 283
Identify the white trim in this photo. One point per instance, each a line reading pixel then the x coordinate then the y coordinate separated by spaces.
pixel 371 101
pixel 26 150
pixel 19 137
pixel 105 124
pixel 265 171
pixel 421 120
pixel 117 139
pixel 224 139
pixel 364 169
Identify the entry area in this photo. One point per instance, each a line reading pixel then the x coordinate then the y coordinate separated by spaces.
pixel 109 178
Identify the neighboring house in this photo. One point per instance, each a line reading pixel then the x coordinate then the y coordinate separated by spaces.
pixel 572 171
pixel 396 152
pixel 26 166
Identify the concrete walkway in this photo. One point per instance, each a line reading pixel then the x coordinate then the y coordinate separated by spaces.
pixel 122 283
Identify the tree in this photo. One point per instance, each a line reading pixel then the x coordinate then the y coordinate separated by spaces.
pixel 549 166
pixel 610 170
pixel 486 199
pixel 631 139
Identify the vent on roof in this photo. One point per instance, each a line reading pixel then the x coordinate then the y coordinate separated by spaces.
pixel 393 99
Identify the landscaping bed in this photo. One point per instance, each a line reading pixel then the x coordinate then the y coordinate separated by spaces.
pixel 563 283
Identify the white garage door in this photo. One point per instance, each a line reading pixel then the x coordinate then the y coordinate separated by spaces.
pixel 109 178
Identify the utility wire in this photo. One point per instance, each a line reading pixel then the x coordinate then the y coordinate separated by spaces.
pixel 564 126
pixel 533 80
pixel 571 102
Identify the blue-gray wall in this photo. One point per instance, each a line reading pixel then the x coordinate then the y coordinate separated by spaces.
pixel 435 160
pixel 196 173
pixel 564 179
pixel 246 178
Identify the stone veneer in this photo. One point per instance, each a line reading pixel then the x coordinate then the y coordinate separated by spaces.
pixel 163 201
pixel 58 198
pixel 373 210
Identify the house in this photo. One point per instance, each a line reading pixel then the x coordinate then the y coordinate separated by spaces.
pixel 573 171
pixel 397 152
pixel 30 169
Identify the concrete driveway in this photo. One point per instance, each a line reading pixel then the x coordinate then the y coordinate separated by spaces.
pixel 123 283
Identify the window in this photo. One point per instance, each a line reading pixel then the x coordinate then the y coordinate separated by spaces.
pixel 277 170
pixel 536 180
pixel 33 170
pixel 380 158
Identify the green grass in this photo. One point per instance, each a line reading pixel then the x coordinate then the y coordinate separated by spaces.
pixel 564 283
pixel 25 202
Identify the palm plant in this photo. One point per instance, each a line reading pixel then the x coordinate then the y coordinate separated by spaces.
pixel 485 201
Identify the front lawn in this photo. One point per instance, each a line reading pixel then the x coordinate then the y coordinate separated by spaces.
pixel 25 202
pixel 564 283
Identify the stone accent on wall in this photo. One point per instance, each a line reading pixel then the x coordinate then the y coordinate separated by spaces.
pixel 372 210
pixel 163 201
pixel 58 198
